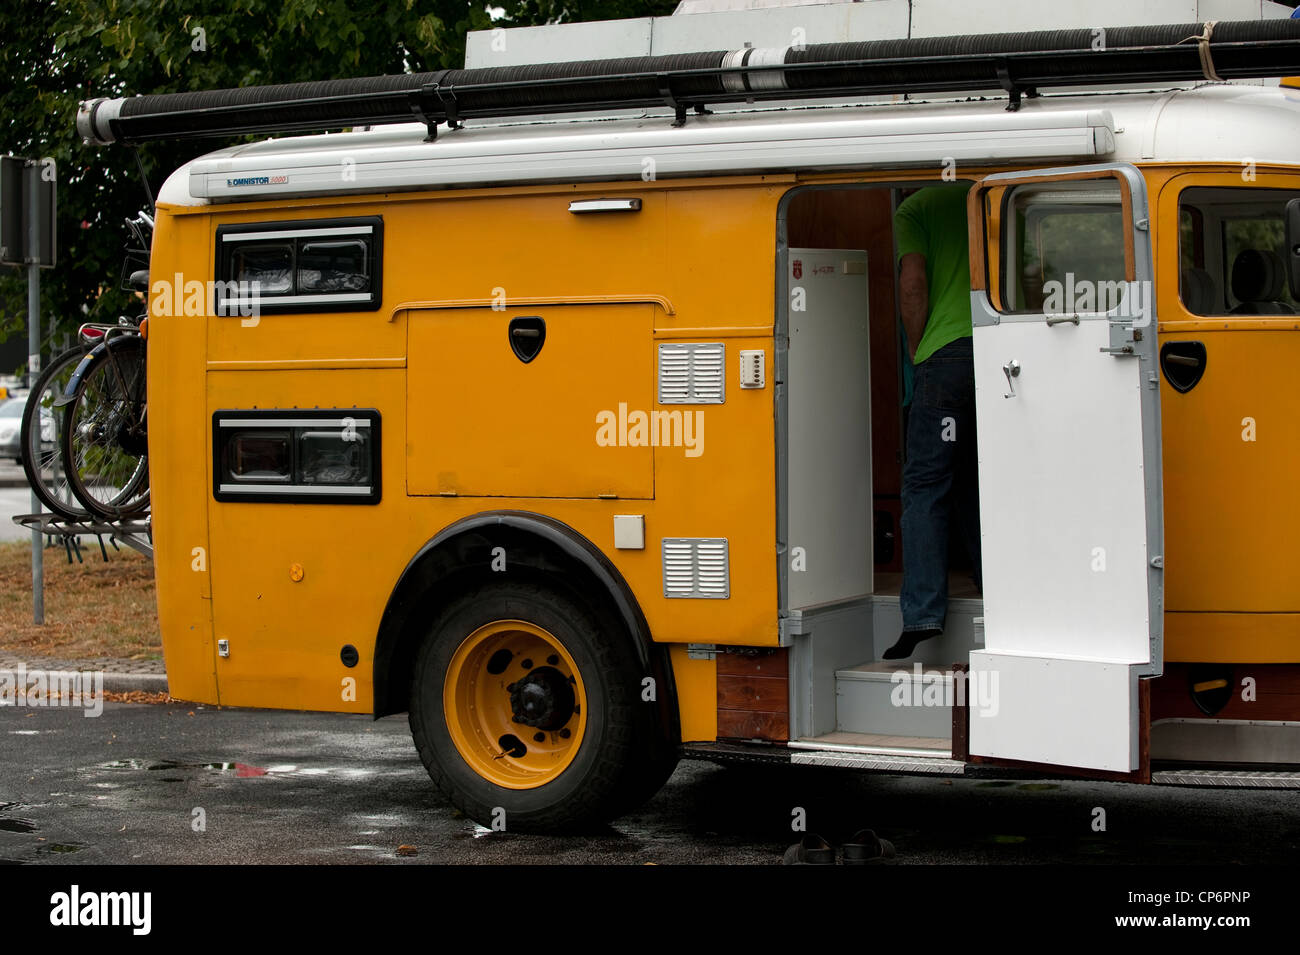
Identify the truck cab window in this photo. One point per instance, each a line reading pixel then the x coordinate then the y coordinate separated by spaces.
pixel 1233 251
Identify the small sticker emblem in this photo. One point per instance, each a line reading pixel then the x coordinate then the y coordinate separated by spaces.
pixel 798 268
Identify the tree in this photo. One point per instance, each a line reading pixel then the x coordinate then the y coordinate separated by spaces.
pixel 59 53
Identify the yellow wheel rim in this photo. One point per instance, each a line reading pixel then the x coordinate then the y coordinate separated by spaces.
pixel 515 704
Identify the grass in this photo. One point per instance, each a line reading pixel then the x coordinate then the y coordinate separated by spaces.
pixel 92 609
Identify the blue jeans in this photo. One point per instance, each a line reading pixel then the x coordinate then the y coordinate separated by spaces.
pixel 940 478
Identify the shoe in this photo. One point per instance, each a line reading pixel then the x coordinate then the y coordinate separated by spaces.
pixel 907 642
pixel 865 848
pixel 812 849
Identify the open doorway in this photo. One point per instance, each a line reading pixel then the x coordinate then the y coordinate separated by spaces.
pixel 861 218
pixel 847 392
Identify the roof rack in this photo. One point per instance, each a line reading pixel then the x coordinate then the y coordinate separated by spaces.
pixel 1016 63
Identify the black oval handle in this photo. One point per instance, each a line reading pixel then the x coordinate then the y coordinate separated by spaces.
pixel 1183 364
pixel 527 334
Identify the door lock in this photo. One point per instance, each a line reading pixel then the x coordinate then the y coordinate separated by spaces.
pixel 1012 370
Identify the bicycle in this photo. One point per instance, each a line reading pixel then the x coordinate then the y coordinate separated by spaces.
pixel 41 436
pixel 104 440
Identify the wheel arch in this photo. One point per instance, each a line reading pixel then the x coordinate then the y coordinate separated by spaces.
pixel 543 549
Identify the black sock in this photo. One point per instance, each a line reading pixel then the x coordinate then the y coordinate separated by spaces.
pixel 907 642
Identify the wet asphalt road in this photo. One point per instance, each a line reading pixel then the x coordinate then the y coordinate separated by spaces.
pixel 327 788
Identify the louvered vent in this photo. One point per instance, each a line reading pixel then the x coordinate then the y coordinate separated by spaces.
pixel 692 374
pixel 696 567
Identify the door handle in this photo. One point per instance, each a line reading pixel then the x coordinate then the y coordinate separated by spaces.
pixel 1183 363
pixel 1012 370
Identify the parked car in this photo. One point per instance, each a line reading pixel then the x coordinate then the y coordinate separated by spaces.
pixel 11 422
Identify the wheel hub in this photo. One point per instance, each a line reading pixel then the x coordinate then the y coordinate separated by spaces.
pixel 515 704
pixel 132 441
pixel 542 699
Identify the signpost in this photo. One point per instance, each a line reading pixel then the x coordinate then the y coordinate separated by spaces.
pixel 27 238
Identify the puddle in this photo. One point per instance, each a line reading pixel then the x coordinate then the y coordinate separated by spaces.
pixel 1037 787
pixel 124 764
pixel 1096 848
pixel 18 825
pixel 59 848
pixel 240 770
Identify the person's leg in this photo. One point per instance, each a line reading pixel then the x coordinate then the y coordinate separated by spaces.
pixel 927 481
pixel 965 491
pixel 941 435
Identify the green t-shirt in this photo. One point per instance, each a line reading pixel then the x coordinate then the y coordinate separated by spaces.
pixel 933 223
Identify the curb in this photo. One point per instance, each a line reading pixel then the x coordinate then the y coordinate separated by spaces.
pixel 113 682
pixel 130 682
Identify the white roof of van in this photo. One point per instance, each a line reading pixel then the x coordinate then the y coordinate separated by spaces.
pixel 1215 122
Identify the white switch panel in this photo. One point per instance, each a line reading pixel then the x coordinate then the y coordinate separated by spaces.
pixel 753 368
pixel 629 531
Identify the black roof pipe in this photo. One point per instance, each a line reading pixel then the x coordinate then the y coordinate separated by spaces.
pixel 1015 62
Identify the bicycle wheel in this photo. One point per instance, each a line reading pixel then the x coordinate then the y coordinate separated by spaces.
pixel 105 444
pixel 42 449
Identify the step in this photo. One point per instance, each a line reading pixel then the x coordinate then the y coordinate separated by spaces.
pixel 895 699
pixel 876 751
pixel 878 743
pixel 1228 778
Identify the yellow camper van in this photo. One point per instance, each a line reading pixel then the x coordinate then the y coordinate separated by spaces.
pixel 560 404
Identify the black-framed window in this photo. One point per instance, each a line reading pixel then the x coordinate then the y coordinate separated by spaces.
pixel 1233 256
pixel 328 456
pixel 304 265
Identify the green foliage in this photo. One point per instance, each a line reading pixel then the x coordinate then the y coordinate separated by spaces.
pixel 58 53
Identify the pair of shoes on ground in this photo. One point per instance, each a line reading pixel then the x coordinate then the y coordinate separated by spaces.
pixel 865 848
pixel 907 642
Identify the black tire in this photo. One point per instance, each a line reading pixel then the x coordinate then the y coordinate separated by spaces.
pixel 104 441
pixel 608 774
pixel 44 468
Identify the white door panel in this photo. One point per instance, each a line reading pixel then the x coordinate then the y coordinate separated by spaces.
pixel 1064 543
pixel 1034 704
pixel 830 447
pixel 1069 463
